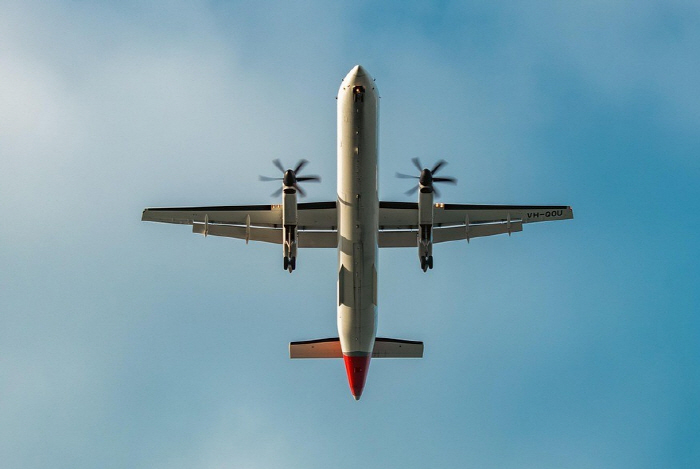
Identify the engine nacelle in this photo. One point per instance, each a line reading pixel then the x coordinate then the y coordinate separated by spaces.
pixel 425 229
pixel 289 228
pixel 290 188
pixel 426 192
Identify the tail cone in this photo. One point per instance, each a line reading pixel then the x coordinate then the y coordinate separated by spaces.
pixel 356 368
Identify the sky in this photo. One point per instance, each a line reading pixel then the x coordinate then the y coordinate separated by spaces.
pixel 125 344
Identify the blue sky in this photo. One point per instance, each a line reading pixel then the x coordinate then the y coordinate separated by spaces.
pixel 126 344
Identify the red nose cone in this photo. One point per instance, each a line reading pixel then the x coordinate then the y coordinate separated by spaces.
pixel 357 373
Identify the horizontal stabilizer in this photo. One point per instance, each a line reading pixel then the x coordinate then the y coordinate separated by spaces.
pixel 397 348
pixel 330 348
pixel 319 348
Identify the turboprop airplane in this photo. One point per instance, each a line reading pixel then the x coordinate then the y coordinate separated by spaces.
pixel 357 223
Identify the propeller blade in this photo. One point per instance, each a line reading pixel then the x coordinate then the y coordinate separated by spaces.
pixel 411 191
pixel 438 165
pixel 309 179
pixel 300 165
pixel 449 180
pixel 277 163
pixel 430 179
pixel 292 179
pixel 416 163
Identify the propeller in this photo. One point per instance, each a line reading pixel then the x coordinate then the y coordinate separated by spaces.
pixel 289 177
pixel 427 177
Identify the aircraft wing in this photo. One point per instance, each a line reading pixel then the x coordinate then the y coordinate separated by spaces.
pixel 398 221
pixel 317 223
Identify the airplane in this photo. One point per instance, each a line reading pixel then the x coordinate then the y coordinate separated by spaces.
pixel 357 223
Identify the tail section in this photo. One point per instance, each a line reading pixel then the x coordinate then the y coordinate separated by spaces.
pixel 357 367
pixel 330 348
pixel 356 363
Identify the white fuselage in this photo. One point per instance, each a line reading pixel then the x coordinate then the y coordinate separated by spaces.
pixel 358 207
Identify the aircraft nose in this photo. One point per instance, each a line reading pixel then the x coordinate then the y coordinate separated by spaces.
pixel 358 75
pixel 358 71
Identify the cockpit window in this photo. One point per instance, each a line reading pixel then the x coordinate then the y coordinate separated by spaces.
pixel 358 94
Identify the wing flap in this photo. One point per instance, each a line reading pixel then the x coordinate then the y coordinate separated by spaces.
pixel 317 239
pixel 409 238
pixel 454 233
pixel 266 235
pixel 397 239
pixel 306 239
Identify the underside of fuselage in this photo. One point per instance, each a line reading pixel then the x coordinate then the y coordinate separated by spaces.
pixel 358 205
